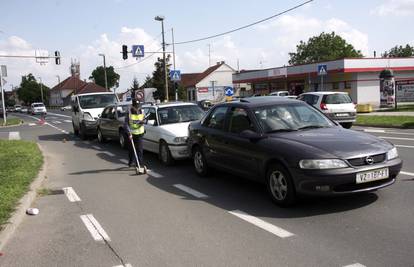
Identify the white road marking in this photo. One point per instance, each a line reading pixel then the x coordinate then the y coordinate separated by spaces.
pixel 60 115
pixel 71 194
pixel 155 174
pixel 14 136
pixel 109 154
pixel 355 265
pixel 96 230
pixel 396 138
pixel 96 147
pixel 57 122
pixel 374 131
pixel 125 161
pixel 407 173
pixel 126 265
pixel 32 124
pixel 404 146
pixel 190 191
pixel 262 224
pixel 57 128
pixel 67 121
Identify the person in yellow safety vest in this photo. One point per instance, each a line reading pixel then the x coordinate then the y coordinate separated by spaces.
pixel 134 123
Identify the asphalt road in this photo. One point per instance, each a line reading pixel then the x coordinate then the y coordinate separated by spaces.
pixel 171 217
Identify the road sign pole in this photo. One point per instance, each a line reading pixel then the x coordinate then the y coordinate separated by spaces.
pixel 2 99
pixel 321 82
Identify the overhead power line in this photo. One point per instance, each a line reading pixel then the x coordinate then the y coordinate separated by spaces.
pixel 245 26
pixel 142 60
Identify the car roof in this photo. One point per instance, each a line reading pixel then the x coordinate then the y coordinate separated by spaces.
pixel 259 101
pixel 169 104
pixel 99 93
pixel 324 93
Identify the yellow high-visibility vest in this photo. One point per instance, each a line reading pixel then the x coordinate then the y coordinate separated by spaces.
pixel 135 127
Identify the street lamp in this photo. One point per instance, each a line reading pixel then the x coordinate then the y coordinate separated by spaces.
pixel 106 79
pixel 161 18
pixel 41 88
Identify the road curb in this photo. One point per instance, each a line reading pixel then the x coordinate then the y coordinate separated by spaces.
pixel 383 126
pixel 24 203
pixel 15 125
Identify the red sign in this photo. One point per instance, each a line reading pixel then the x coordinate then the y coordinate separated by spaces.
pixel 139 95
pixel 203 90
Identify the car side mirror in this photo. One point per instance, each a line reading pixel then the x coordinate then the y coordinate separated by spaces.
pixel 251 135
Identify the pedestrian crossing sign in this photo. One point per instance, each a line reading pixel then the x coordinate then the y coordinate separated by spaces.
pixel 322 69
pixel 138 51
pixel 175 75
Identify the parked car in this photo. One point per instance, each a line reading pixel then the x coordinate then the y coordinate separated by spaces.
pixel 24 109
pixel 38 108
pixel 292 148
pixel 279 93
pixel 336 105
pixel 205 104
pixel 85 111
pixel 68 107
pixel 166 127
pixel 17 108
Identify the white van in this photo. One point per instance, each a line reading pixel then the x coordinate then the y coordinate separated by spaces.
pixel 86 109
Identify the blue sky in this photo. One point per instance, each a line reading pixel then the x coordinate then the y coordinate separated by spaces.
pixel 82 29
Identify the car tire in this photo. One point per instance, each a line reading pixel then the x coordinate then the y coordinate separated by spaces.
pixel 164 154
pixel 280 186
pixel 100 136
pixel 346 125
pixel 75 131
pixel 82 132
pixel 122 139
pixel 200 162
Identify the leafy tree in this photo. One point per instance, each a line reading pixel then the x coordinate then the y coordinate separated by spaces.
pixel 135 84
pixel 147 82
pixel 326 46
pixel 30 90
pixel 98 76
pixel 400 51
pixel 157 80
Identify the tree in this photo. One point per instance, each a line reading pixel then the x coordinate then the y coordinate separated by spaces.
pixel 400 51
pixel 98 76
pixel 158 80
pixel 30 91
pixel 135 84
pixel 326 46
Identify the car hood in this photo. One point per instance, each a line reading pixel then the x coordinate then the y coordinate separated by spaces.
pixel 340 142
pixel 176 129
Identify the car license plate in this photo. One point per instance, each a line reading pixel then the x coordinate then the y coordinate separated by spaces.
pixel 369 176
pixel 342 114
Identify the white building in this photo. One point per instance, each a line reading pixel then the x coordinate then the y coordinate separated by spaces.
pixel 357 76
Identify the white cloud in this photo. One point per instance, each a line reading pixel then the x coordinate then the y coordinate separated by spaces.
pixel 394 7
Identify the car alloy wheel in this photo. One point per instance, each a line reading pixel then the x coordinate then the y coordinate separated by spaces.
pixel 280 186
pixel 200 163
pixel 101 138
pixel 165 154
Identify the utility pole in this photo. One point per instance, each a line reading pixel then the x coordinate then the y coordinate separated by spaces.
pixel 106 79
pixel 212 84
pixel 3 67
pixel 41 88
pixel 209 55
pixel 175 83
pixel 161 18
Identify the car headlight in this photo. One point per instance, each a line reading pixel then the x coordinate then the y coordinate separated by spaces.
pixel 392 154
pixel 319 164
pixel 182 139
pixel 87 117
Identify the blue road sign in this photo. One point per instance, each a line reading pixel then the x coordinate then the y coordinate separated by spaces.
pixel 322 69
pixel 175 75
pixel 138 51
pixel 229 91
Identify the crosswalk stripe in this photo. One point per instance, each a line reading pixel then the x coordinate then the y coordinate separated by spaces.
pixel 32 124
pixel 57 122
pixel 67 121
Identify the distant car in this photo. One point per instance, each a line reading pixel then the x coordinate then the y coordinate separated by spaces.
pixel 24 110
pixel 338 106
pixel 205 104
pixel 38 108
pixel 279 93
pixel 68 107
pixel 17 108
pixel 166 127
pixel 292 148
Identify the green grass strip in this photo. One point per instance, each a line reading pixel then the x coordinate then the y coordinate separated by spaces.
pixel 10 121
pixel 386 121
pixel 20 162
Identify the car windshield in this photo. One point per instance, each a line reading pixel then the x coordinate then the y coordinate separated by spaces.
pixel 338 99
pixel 290 117
pixel 176 114
pixel 96 101
pixel 38 105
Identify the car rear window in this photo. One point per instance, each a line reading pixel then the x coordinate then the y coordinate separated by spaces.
pixel 337 99
pixel 38 105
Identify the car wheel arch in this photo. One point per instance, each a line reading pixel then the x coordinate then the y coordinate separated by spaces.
pixel 272 161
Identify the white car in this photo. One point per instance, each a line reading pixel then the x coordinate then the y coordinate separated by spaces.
pixel 279 93
pixel 338 106
pixel 38 108
pixel 166 129
pixel 68 107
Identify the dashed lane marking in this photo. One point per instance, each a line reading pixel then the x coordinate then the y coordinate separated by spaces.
pixel 154 174
pixel 262 224
pixel 386 132
pixel 14 136
pixel 96 147
pixel 125 265
pixel 109 154
pixel 396 138
pixel 67 121
pixel 404 146
pixel 407 173
pixel 71 194
pixel 190 191
pixel 60 115
pixel 32 124
pixel 57 122
pixel 374 131
pixel 355 265
pixel 94 228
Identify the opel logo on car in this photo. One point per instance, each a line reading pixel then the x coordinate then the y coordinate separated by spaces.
pixel 369 160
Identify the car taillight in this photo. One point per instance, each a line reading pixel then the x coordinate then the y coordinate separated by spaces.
pixel 323 106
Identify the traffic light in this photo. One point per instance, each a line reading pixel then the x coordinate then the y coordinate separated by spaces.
pixel 57 57
pixel 124 51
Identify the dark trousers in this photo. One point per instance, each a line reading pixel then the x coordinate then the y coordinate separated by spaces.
pixel 137 139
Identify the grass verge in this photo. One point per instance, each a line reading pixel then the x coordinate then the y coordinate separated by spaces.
pixel 20 162
pixel 386 121
pixel 11 121
pixel 400 108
